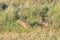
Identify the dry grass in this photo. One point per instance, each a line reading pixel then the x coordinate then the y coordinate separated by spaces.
pixel 36 34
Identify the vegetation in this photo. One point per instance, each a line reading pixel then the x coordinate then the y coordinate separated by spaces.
pixel 21 18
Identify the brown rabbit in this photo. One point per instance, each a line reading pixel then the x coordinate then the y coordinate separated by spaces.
pixel 23 23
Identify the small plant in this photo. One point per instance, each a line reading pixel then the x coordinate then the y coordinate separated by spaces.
pixel 44 11
pixel 3 6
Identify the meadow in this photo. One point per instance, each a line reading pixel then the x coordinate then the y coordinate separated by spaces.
pixel 29 19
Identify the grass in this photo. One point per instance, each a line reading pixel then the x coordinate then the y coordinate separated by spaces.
pixel 35 34
pixel 30 11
